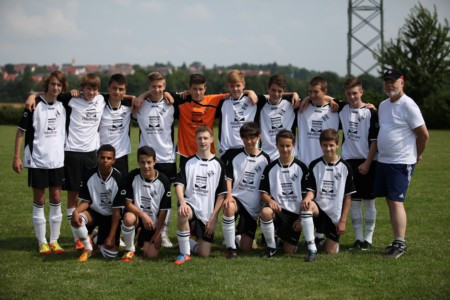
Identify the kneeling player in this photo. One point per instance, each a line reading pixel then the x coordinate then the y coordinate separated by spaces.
pixel 147 199
pixel 282 187
pixel 200 188
pixel 100 206
pixel 328 200
pixel 243 175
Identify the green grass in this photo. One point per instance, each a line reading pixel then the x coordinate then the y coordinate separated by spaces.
pixel 423 272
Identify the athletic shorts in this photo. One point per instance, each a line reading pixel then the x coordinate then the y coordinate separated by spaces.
pixel 284 222
pixel 392 180
pixel 44 178
pixel 75 165
pixel 169 169
pixel 198 228
pixel 363 183
pixel 144 235
pixel 104 227
pixel 247 225
pixel 324 225
pixel 121 164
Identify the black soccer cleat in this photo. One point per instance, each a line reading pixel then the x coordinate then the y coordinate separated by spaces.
pixel 268 253
pixel 312 256
pixel 366 246
pixel 231 253
pixel 357 245
pixel 397 249
pixel 320 242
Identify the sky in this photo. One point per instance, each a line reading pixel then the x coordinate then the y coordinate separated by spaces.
pixel 305 33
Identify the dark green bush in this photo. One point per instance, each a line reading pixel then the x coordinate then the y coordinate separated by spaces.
pixel 10 114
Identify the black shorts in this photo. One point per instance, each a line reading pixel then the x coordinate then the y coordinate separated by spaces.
pixel 44 178
pixel 284 222
pixel 363 183
pixel 247 225
pixel 104 227
pixel 75 165
pixel 144 235
pixel 121 164
pixel 324 225
pixel 198 228
pixel 169 169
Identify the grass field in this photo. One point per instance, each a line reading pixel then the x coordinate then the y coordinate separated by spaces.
pixel 423 273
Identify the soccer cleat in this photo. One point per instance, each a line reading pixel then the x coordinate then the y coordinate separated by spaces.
pixel 85 255
pixel 56 248
pixel 312 256
pixel 365 246
pixel 231 253
pixel 165 242
pixel 319 241
pixel 79 245
pixel 44 249
pixel 268 253
pixel 128 256
pixel 182 258
pixel 357 245
pixel 396 250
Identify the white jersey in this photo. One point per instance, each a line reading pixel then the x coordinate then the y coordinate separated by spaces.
pixel 273 118
pixel 102 195
pixel 233 113
pixel 115 127
pixel 360 128
pixel 45 133
pixel 285 184
pixel 150 196
pixel 331 183
pixel 203 180
pixel 245 170
pixel 396 138
pixel 310 124
pixel 155 121
pixel 83 122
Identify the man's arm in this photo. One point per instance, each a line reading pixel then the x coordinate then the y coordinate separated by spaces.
pixel 146 220
pixel 422 137
pixel 211 225
pixel 156 239
pixel 304 205
pixel 229 198
pixel 274 205
pixel 76 218
pixel 115 220
pixel 17 162
pixel 183 209
pixel 340 228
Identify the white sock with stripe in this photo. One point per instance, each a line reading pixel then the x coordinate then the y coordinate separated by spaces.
pixel 229 231
pixel 183 242
pixel 268 230
pixel 55 220
pixel 82 233
pixel 128 234
pixel 308 229
pixel 39 223
pixel 69 212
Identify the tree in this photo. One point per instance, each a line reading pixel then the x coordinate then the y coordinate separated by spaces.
pixel 422 52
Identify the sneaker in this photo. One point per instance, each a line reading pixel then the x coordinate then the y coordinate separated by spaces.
pixel 231 253
pixel 365 246
pixel 182 258
pixel 128 256
pixel 56 248
pixel 396 250
pixel 85 255
pixel 79 245
pixel 312 256
pixel 319 242
pixel 268 253
pixel 165 242
pixel 44 249
pixel 357 245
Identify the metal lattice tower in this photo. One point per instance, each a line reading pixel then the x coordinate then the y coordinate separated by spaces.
pixel 367 15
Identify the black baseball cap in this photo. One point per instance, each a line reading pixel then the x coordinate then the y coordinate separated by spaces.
pixel 392 74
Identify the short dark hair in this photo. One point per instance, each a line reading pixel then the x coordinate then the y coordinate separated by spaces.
pixel 318 80
pixel 250 129
pixel 197 79
pixel 59 76
pixel 106 148
pixel 328 135
pixel 147 151
pixel 352 82
pixel 285 134
pixel 119 78
pixel 278 80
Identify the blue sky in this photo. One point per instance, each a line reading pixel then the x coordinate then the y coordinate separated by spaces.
pixel 310 34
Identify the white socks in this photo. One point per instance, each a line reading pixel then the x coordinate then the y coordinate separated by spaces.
pixel 268 230
pixel 165 230
pixel 39 223
pixel 356 215
pixel 183 242
pixel 371 216
pixel 55 218
pixel 82 233
pixel 69 212
pixel 128 234
pixel 308 229
pixel 229 231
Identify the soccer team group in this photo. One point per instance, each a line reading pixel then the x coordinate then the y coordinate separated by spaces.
pixel 278 165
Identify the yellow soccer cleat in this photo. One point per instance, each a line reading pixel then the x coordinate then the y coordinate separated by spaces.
pixel 85 255
pixel 128 256
pixel 44 249
pixel 56 248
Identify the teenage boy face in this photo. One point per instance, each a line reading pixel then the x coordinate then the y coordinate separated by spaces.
pixel 117 91
pixel 54 87
pixel 197 91
pixel 204 140
pixel 147 165
pixel 316 93
pixel 236 89
pixel 285 147
pixel 90 92
pixel 275 92
pixel 106 159
pixel 354 95
pixel 156 88
pixel 329 148
pixel 250 142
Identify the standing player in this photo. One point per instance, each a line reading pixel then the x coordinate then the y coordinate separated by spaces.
pixel 200 188
pixel 328 199
pixel 147 199
pixel 45 132
pixel 243 175
pixel 282 188
pixel 402 139
pixel 100 206
pixel 360 127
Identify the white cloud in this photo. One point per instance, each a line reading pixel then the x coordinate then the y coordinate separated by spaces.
pixel 197 12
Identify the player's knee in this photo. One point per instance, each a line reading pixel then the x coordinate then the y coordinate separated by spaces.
pixel 129 219
pixel 230 210
pixel 266 214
